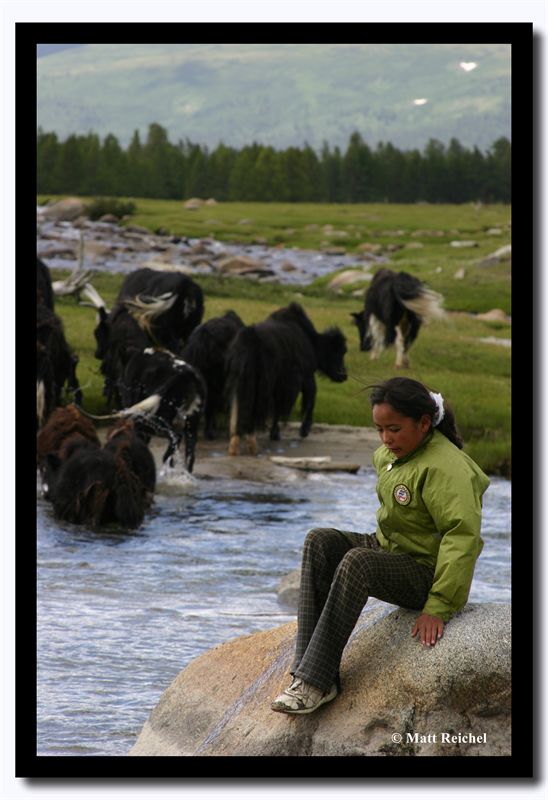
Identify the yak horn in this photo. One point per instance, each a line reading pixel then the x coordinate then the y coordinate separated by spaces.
pixel 73 284
pixel 149 307
pixel 147 406
pixel 92 294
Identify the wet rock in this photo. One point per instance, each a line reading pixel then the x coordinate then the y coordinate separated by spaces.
pixel 288 589
pixel 240 264
pixel 95 250
pixel 64 250
pixel 451 699
pixel 137 229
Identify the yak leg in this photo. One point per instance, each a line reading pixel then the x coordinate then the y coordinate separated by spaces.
pixel 191 435
pixel 402 328
pixel 251 444
pixel 275 430
pixel 234 445
pixel 378 335
pixel 307 407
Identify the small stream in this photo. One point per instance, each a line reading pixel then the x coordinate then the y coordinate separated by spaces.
pixel 114 248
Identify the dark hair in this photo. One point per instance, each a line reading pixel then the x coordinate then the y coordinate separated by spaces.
pixel 413 399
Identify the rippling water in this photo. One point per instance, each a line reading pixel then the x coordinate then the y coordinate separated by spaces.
pixel 119 615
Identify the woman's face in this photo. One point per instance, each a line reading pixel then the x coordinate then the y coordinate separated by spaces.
pixel 400 434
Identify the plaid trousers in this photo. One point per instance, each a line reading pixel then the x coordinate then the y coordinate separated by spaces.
pixel 340 570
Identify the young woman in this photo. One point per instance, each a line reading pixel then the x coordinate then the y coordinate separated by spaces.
pixel 422 555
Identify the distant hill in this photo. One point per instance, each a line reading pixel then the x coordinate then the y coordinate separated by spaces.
pixel 49 49
pixel 279 94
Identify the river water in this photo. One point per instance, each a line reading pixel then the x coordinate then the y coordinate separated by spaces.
pixel 113 248
pixel 119 615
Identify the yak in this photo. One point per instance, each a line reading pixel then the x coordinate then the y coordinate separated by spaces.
pixel 93 485
pixel 44 288
pixel 396 305
pixel 167 305
pixel 55 364
pixel 164 396
pixel 152 309
pixel 269 364
pixel 206 350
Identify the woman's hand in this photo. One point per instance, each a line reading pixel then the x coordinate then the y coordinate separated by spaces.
pixel 429 628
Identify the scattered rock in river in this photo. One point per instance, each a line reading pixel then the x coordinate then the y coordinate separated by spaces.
pixel 123 248
pixel 241 265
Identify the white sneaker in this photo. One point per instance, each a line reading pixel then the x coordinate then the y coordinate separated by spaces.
pixel 302 698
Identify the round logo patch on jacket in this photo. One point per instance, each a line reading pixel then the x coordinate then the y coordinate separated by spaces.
pixel 402 495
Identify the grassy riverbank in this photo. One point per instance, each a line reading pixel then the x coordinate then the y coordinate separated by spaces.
pixel 448 356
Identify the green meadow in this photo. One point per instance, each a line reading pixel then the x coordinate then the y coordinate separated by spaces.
pixel 448 355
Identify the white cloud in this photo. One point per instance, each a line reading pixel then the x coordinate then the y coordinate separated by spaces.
pixel 468 66
pixel 420 101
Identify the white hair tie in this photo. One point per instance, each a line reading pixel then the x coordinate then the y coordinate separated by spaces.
pixel 440 411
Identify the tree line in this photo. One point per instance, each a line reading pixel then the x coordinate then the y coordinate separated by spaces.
pixel 85 165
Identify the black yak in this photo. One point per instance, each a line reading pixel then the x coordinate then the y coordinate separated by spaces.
pixel 206 350
pixel 270 363
pixel 167 305
pixel 165 397
pixel 55 364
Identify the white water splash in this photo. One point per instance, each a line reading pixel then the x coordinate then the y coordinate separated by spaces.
pixel 174 479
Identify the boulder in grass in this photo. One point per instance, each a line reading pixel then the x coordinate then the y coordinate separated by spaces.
pixel 65 210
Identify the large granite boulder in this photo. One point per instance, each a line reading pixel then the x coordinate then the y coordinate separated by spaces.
pixel 398 698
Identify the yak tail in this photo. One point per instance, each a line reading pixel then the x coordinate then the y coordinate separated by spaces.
pixel 428 305
pixel 247 383
pixel 145 309
pixel 418 298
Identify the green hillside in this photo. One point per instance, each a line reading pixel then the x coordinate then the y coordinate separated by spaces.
pixel 280 94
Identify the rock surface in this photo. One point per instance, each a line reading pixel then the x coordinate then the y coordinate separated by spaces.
pixel 452 699
pixel 65 210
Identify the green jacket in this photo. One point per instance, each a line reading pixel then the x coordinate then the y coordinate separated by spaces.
pixel 431 509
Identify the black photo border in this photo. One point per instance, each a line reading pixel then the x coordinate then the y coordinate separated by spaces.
pixel 200 771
